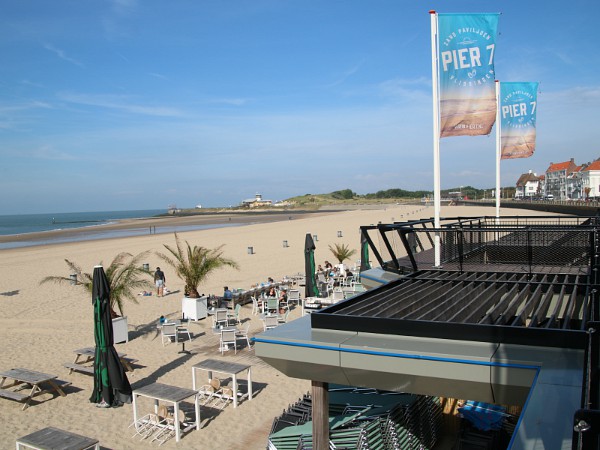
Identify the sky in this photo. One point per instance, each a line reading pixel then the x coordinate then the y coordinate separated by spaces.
pixel 131 104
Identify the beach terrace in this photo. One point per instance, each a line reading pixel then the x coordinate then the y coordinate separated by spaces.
pixel 507 318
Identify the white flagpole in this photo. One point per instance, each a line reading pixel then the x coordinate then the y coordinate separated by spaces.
pixel 498 148
pixel 436 137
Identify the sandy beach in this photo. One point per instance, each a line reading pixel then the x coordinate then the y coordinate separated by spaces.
pixel 40 326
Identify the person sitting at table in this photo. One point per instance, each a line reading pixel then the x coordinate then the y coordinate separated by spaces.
pixel 282 299
pixel 227 296
pixel 272 292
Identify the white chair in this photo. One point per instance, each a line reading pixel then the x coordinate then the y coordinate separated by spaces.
pixel 243 335
pixel 270 322
pixel 293 296
pixel 168 331
pixel 233 318
pixel 337 294
pixel 284 318
pixel 183 329
pixel 220 318
pixel 255 306
pixel 228 338
pixel 272 304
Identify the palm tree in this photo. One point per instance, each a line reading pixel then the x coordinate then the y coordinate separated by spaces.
pixel 194 264
pixel 124 274
pixel 341 252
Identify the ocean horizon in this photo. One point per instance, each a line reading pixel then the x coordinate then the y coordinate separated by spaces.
pixel 24 224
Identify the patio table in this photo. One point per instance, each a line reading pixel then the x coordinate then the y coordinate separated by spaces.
pixel 51 438
pixel 166 393
pixel 226 368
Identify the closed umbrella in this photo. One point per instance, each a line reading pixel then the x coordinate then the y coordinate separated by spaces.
pixel 364 253
pixel 310 288
pixel 111 386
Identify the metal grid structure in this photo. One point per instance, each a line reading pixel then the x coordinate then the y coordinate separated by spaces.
pixel 527 281
pixel 536 244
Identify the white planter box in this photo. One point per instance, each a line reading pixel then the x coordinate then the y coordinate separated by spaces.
pixel 120 332
pixel 194 308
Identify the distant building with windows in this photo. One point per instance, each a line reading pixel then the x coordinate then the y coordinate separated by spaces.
pixel 556 178
pixel 528 186
pixel 590 180
pixel 256 202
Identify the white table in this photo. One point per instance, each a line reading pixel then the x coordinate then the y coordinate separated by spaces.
pixel 226 368
pixel 171 394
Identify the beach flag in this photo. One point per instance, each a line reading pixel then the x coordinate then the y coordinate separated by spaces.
pixel 466 45
pixel 517 110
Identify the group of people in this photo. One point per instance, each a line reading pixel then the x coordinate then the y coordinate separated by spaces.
pixel 333 271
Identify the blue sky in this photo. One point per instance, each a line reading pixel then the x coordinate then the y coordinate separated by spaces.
pixel 131 104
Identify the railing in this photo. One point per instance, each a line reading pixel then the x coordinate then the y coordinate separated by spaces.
pixel 533 244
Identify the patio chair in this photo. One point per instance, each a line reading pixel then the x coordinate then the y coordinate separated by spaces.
pixel 233 318
pixel 220 318
pixel 337 294
pixel 293 296
pixel 243 335
pixel 255 306
pixel 168 331
pixel 228 338
pixel 145 425
pixel 272 304
pixel 183 328
pixel 284 318
pixel 270 322
pixel 207 392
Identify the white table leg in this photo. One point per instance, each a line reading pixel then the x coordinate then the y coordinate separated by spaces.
pixel 135 419
pixel 235 387
pixel 250 382
pixel 197 407
pixel 176 424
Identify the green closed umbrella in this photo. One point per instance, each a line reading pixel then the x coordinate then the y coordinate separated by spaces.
pixel 310 287
pixel 111 386
pixel 364 253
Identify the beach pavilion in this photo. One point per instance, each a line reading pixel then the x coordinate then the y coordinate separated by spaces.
pixel 508 318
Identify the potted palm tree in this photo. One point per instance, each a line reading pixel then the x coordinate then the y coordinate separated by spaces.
pixel 125 276
pixel 341 252
pixel 193 265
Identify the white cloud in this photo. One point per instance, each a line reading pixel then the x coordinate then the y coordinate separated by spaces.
pixel 62 54
pixel 120 103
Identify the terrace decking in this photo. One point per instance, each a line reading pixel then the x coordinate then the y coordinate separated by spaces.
pixel 504 319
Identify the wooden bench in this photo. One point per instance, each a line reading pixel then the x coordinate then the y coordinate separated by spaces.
pixel 79 368
pixel 18 396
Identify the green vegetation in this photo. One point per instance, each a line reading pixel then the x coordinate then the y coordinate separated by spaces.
pixel 125 276
pixel 194 264
pixel 341 252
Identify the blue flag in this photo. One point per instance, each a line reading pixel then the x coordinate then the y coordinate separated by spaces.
pixel 518 106
pixel 466 46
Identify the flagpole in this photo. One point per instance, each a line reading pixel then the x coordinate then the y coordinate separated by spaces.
pixel 498 148
pixel 436 139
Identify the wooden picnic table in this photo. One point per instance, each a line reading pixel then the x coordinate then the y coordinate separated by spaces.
pixel 51 438
pixel 227 368
pixel 23 379
pixel 172 394
pixel 86 355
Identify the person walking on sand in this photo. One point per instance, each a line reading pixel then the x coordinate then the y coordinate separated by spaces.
pixel 159 280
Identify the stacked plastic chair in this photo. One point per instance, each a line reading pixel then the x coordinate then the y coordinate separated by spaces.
pixel 363 419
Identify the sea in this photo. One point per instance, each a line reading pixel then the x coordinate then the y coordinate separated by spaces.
pixel 24 224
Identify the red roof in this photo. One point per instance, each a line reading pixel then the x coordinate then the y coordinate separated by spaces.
pixel 593 166
pixel 559 166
